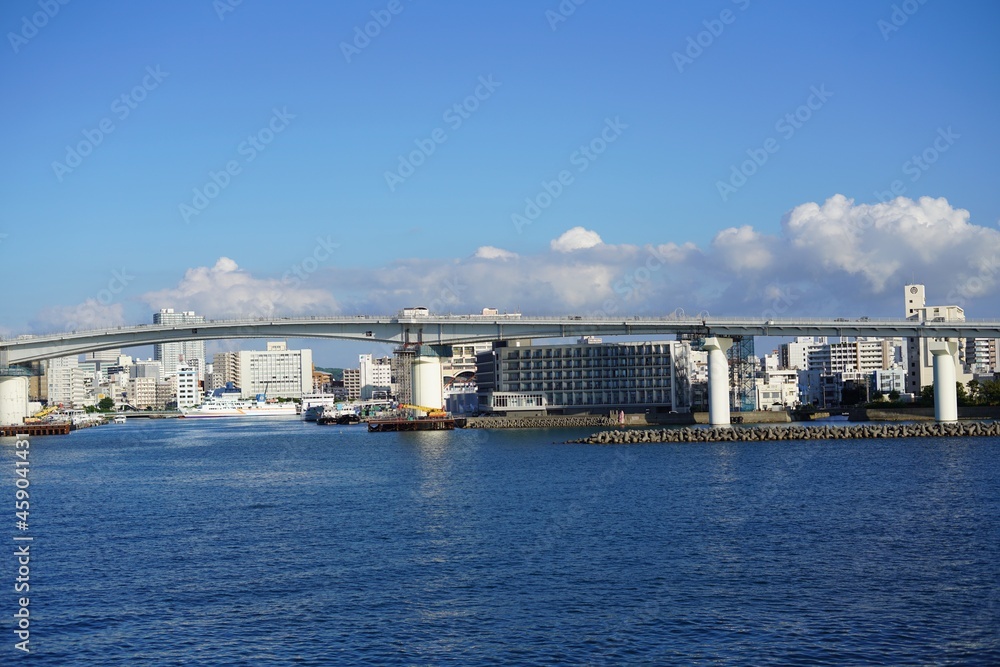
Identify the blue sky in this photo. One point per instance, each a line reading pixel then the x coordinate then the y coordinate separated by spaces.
pixel 673 98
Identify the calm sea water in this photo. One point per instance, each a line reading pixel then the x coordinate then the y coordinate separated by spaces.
pixel 278 542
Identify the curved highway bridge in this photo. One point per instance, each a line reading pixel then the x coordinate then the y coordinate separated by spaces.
pixel 433 333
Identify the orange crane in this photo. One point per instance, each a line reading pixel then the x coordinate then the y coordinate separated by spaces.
pixel 431 412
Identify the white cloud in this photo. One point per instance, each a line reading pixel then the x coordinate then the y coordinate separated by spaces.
pixel 91 314
pixel 743 249
pixel 576 238
pixel 226 290
pixel 491 252
pixel 835 258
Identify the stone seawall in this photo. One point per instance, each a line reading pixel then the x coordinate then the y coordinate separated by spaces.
pixel 570 421
pixel 764 433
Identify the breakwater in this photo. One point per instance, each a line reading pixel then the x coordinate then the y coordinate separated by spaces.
pixel 553 421
pixel 770 433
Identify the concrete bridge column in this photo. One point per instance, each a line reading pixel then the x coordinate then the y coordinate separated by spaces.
pixel 945 395
pixel 13 399
pixel 718 380
pixel 428 382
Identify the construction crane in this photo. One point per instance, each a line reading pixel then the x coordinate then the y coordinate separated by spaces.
pixel 431 412
pixel 38 416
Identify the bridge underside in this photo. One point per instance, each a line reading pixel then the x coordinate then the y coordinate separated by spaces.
pixel 459 329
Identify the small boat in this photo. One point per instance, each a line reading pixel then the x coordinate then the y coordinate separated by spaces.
pixel 119 419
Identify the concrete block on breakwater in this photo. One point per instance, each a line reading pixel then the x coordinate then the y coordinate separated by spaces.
pixel 771 433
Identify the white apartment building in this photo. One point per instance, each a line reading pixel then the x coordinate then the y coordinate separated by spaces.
pixel 66 382
pixel 375 375
pixel 186 387
pixel 173 355
pixel 861 356
pixel 919 360
pixel 141 393
pixel 276 371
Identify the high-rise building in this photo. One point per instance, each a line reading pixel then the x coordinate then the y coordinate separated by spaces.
pixel 919 360
pixel 66 382
pixel 173 355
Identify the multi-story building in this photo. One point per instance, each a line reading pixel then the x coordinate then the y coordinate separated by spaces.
pixel 141 392
pixel 352 383
pixel 886 381
pixel 583 377
pixel 375 376
pixel 863 356
pixel 981 355
pixel 186 387
pixel 225 369
pixel 67 382
pixel 146 368
pixel 276 371
pixel 173 355
pixel 919 360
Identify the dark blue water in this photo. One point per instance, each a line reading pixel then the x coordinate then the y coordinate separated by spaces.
pixel 277 542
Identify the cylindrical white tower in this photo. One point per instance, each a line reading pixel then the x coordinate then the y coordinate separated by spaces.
pixel 428 385
pixel 945 391
pixel 718 380
pixel 13 399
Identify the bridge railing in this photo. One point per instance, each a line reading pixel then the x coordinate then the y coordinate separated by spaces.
pixel 501 320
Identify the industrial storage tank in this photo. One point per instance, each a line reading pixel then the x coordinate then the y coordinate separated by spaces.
pixel 13 399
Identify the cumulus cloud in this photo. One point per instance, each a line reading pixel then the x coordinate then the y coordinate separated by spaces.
pixel 577 238
pixel 743 249
pixel 91 314
pixel 490 252
pixel 226 290
pixel 833 258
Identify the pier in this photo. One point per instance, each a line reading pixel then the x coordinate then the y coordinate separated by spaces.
pixel 35 429
pixel 425 424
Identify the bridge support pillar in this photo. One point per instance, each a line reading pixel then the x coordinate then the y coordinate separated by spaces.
pixel 13 399
pixel 718 380
pixel 945 395
pixel 428 380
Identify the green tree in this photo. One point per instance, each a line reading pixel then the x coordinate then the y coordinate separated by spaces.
pixel 894 395
pixel 106 404
pixel 973 387
pixel 989 392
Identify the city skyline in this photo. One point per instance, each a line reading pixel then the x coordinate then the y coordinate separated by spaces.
pixel 734 158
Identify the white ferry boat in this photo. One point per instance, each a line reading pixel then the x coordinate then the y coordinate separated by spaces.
pixel 226 402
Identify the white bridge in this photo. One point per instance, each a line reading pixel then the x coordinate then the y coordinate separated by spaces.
pixel 431 334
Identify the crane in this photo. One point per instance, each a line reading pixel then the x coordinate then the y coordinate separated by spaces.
pixel 431 412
